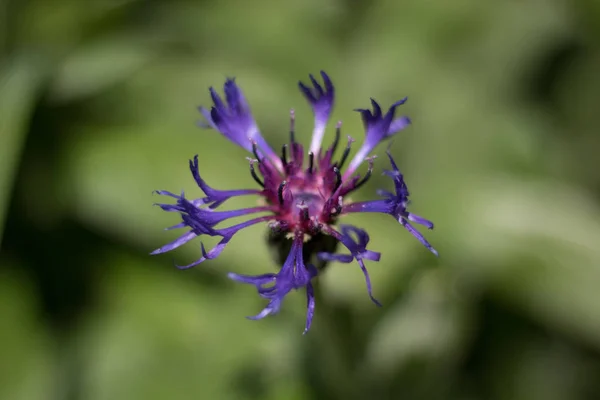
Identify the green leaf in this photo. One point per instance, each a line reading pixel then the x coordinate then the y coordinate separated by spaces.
pixel 20 80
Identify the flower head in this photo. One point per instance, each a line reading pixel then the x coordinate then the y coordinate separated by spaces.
pixel 304 194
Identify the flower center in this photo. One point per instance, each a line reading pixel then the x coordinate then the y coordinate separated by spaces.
pixel 312 201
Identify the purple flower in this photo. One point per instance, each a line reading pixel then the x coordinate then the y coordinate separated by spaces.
pixel 304 195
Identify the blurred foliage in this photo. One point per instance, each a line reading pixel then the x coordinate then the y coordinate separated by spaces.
pixel 97 110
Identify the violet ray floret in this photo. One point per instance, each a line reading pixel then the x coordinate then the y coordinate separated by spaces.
pixel 294 274
pixel 355 240
pixel 302 194
pixel 395 205
pixel 321 100
pixel 377 128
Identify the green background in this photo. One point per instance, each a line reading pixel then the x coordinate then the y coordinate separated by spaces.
pixel 98 109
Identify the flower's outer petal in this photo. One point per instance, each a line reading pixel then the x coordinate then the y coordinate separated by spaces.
pixel 183 239
pixel 213 253
pixel 271 308
pixel 343 258
pixel 176 226
pixel 361 234
pixel 226 234
pixel 397 125
pixel 377 127
pixel 310 306
pixel 234 120
pixel 395 205
pixel 378 206
pixel 293 275
pixel 368 282
pixel 420 220
pixel 321 101
pixel 258 280
pixel 214 195
pixel 418 235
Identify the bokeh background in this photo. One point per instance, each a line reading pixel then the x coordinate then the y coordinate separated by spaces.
pixel 98 109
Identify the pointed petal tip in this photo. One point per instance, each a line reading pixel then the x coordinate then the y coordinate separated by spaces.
pixel 377 303
pixel 400 102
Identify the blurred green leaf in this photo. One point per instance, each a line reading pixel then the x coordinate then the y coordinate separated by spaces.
pixel 21 78
pixel 99 65
pixel 159 336
pixel 25 347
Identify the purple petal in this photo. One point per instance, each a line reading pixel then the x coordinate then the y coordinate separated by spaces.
pixel 293 275
pixel 271 308
pixel 321 101
pixel 420 220
pixel 234 120
pixel 368 282
pixel 377 127
pixel 358 248
pixel 258 280
pixel 177 226
pixel 394 204
pixel 378 206
pixel 418 235
pixel 213 253
pixel 167 193
pixel 214 195
pixel 227 234
pixel 310 306
pixel 183 239
pixel 397 125
pixel 360 234
pixel 343 258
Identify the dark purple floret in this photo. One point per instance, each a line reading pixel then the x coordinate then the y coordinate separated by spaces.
pixel 294 274
pixel 303 194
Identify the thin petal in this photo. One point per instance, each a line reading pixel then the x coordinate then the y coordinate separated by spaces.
pixel 257 280
pixel 377 127
pixel 183 239
pixel 420 220
pixel 397 125
pixel 321 101
pixel 419 236
pixel 214 195
pixel 234 120
pixel 227 234
pixel 343 258
pixel 378 206
pixel 310 306
pixel 368 282
pixel 271 308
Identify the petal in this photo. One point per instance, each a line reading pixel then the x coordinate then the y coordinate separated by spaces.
pixel 358 248
pixel 368 282
pixel 397 125
pixel 378 206
pixel 214 195
pixel 361 234
pixel 272 308
pixel 227 234
pixel 213 253
pixel 183 239
pixel 257 280
pixel 377 127
pixel 343 258
pixel 234 120
pixel 321 101
pixel 418 235
pixel 310 306
pixel 420 220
